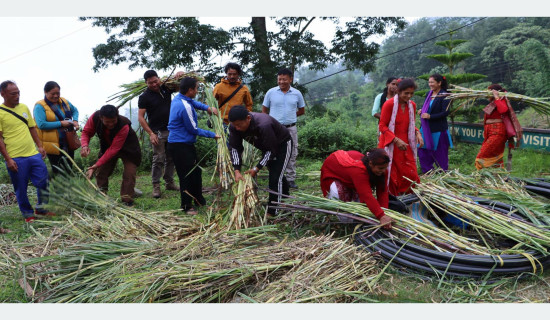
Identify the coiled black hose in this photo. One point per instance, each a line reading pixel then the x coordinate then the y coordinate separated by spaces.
pixel 432 262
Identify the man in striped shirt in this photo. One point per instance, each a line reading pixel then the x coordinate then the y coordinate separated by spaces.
pixel 269 136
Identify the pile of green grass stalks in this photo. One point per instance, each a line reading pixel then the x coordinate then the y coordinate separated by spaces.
pixel 249 265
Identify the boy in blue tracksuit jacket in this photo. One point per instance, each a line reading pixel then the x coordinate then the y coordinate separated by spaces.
pixel 183 129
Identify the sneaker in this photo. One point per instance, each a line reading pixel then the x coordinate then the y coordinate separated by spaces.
pixel 137 193
pixel 44 213
pixel 172 186
pixel 30 219
pixel 292 184
pixel 156 190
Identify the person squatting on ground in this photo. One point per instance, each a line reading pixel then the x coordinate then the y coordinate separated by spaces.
pixel 434 127
pixel 18 138
pixel 117 140
pixel 352 176
pixel 155 102
pixel 183 129
pixel 230 91
pixel 286 104
pixel 500 125
pixel 271 138
pixel 399 137
pixel 54 116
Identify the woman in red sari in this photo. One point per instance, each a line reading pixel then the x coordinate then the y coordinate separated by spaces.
pixel 352 176
pixel 399 137
pixel 500 125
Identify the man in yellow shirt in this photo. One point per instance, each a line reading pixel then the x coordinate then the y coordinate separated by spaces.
pixel 18 137
pixel 231 92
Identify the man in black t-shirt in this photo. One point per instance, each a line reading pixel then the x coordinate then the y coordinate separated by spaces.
pixel 155 102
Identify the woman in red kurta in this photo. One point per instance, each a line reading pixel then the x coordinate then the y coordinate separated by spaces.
pixel 352 176
pixel 495 134
pixel 399 137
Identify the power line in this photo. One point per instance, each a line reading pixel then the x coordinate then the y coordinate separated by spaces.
pixel 401 50
pixel 44 44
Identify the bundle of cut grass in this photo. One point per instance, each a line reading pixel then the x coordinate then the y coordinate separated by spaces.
pixel 540 105
pixel 224 167
pixel 206 267
pixel 485 221
pixel 497 187
pixel 244 205
pixel 336 272
pixel 404 226
pixel 98 214
pixel 246 200
pixel 136 88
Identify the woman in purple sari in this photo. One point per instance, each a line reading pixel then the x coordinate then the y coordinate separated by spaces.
pixel 433 126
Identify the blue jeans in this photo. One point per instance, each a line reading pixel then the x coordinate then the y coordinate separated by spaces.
pixel 34 169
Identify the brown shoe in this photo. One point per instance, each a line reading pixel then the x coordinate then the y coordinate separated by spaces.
pixel 172 186
pixel 156 190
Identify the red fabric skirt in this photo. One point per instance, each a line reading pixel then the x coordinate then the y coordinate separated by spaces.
pixel 491 153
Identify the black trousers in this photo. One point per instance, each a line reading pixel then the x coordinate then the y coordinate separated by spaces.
pixel 277 179
pixel 56 161
pixel 189 174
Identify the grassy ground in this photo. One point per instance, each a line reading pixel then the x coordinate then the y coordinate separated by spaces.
pixel 398 287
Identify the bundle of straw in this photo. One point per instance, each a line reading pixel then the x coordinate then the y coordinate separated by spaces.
pixel 224 167
pixel 133 90
pixel 540 105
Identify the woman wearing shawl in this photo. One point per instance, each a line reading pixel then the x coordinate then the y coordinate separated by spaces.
pixel 389 91
pixel 54 115
pixel 433 126
pixel 352 176
pixel 399 137
pixel 500 125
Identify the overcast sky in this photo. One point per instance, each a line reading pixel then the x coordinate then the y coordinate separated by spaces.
pixel 60 49
pixel 37 47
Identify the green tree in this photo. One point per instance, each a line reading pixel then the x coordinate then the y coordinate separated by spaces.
pixel 166 42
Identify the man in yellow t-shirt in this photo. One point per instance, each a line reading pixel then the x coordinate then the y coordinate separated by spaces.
pixel 18 137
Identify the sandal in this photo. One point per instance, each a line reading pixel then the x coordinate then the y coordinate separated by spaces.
pixel 191 211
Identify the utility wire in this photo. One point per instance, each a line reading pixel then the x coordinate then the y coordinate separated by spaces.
pixel 401 50
pixel 44 44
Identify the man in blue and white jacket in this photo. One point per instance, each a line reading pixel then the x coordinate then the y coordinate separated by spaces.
pixel 183 129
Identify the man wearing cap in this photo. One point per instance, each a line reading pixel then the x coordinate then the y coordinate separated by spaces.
pixel 270 137
pixel 155 102
pixel 231 91
pixel 286 104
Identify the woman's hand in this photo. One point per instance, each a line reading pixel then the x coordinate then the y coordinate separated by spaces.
pixel 425 116
pixel 84 151
pixel 212 110
pixel 66 123
pixel 419 139
pixel 385 222
pixel 400 144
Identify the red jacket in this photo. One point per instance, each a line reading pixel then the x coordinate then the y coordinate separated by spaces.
pixel 357 178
